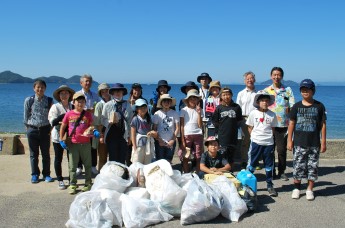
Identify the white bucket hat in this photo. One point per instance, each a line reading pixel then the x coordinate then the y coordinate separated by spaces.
pixel 192 93
pixel 164 97
pixel 263 93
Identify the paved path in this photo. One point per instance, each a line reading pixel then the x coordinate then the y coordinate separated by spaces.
pixel 23 204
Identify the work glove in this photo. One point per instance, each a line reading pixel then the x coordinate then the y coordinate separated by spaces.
pixel 96 134
pixel 63 145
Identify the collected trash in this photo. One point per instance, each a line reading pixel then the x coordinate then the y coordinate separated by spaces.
pixel 143 195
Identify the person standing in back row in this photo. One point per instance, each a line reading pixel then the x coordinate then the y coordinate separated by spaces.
pixel 91 100
pixel 284 100
pixel 245 99
pixel 37 125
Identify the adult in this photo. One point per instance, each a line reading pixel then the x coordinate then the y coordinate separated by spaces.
pixel 91 100
pixel 37 125
pixel 63 95
pixel 103 93
pixel 284 100
pixel 116 117
pixel 245 99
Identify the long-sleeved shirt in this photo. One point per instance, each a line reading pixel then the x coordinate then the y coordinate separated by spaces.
pixel 91 99
pixel 37 114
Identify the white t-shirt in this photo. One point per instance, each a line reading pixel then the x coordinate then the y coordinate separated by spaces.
pixel 166 123
pixel 245 99
pixel 190 117
pixel 262 123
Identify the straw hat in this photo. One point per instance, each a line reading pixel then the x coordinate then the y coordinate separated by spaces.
pixel 56 93
pixel 102 86
pixel 215 84
pixel 260 94
pixel 164 97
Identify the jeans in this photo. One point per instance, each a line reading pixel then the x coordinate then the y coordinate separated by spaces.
pixel 280 140
pixel 58 160
pixel 39 139
pixel 117 149
pixel 163 152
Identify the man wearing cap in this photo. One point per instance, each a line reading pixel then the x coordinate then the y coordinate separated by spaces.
pixel 103 93
pixel 284 100
pixel 116 117
pixel 245 99
pixel 91 100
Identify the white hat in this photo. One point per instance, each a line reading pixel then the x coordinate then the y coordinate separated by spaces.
pixel 164 97
pixel 192 93
pixel 263 93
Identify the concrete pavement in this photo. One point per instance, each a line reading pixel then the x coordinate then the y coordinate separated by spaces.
pixel 23 204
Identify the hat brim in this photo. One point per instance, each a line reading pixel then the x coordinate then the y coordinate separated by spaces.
pixel 159 103
pixel 207 142
pixel 111 90
pixel 56 93
pixel 199 78
pixel 183 88
pixel 257 96
pixel 168 86
pixel 191 95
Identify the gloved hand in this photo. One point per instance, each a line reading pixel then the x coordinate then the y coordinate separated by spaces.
pixel 96 134
pixel 63 145
pixel 155 97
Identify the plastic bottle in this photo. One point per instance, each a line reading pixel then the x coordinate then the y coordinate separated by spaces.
pixel 247 178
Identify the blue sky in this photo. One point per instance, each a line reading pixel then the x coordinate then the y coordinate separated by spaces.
pixel 145 41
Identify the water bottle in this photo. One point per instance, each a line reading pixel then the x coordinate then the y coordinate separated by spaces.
pixel 1 142
pixel 247 178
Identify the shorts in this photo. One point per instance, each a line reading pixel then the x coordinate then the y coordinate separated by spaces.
pixel 196 143
pixel 306 163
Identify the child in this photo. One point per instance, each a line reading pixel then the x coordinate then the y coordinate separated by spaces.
pixel 38 128
pixel 212 102
pixel 212 161
pixel 226 119
pixel 307 120
pixel 78 121
pixel 141 134
pixel 116 116
pixel 191 129
pixel 166 122
pixel 261 123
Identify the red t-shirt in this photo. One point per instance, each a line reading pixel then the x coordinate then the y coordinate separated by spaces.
pixel 70 118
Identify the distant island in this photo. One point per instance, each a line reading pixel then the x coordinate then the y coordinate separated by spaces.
pixel 286 83
pixel 10 77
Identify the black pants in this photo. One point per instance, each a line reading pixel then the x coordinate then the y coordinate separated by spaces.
pixel 58 160
pixel 280 141
pixel 117 149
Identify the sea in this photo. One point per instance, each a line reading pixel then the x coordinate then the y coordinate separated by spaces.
pixel 12 96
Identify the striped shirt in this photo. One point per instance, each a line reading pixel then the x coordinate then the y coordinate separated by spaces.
pixel 37 114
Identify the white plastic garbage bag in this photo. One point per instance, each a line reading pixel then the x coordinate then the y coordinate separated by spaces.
pixel 186 179
pixel 233 206
pixel 142 212
pixel 164 190
pixel 133 171
pixel 162 163
pixel 112 177
pixel 95 209
pixel 138 193
pixel 201 204
pixel 177 176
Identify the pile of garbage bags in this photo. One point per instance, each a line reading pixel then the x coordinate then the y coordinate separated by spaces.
pixel 143 195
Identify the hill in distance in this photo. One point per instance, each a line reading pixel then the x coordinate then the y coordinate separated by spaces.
pixel 10 77
pixel 286 83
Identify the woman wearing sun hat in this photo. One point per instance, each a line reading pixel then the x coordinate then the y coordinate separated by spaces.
pixel 63 95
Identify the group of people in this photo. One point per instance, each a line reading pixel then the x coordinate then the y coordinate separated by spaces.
pixel 87 124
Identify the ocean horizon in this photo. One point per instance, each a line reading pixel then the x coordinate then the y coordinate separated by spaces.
pixel 12 96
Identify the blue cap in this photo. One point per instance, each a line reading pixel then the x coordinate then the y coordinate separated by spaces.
pixel 307 83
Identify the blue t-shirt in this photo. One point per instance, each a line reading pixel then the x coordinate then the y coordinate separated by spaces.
pixel 142 127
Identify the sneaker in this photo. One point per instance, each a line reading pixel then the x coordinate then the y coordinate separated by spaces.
pixel 72 189
pixel 295 193
pixel 34 179
pixel 62 185
pixel 86 188
pixel 309 195
pixel 48 179
pixel 78 171
pixel 94 170
pixel 284 177
pixel 272 192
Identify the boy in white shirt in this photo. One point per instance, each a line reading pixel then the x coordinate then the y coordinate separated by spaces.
pixel 261 123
